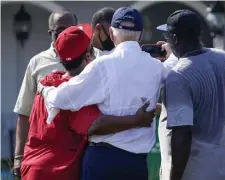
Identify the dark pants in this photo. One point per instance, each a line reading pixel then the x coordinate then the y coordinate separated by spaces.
pixel 111 163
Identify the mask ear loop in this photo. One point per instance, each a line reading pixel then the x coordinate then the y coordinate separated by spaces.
pixel 105 31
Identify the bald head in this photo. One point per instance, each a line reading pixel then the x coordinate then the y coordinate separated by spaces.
pixel 59 21
pixel 62 17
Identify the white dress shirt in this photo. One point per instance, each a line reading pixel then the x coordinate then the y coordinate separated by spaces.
pixel 170 63
pixel 98 52
pixel 116 83
pixel 164 133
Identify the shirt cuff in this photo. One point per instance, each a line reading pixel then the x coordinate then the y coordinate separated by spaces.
pixel 182 116
pixel 23 111
pixel 174 123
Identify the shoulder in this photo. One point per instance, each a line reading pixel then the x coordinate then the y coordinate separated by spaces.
pixel 217 53
pixel 54 79
pixel 94 67
pixel 35 60
pixel 156 64
pixel 104 59
pixel 171 61
pixel 175 77
pixel 184 67
pixel 151 60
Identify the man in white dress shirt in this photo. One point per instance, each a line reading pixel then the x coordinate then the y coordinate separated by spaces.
pixel 119 83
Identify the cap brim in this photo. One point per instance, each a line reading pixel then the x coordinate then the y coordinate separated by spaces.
pixel 162 27
pixel 87 29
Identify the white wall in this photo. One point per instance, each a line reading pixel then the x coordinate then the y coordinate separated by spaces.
pixel 14 60
pixel 85 9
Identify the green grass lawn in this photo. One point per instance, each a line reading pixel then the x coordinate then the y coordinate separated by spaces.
pixel 154 158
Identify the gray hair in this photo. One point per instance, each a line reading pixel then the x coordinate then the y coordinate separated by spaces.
pixel 126 34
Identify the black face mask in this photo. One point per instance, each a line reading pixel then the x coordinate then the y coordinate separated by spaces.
pixel 107 44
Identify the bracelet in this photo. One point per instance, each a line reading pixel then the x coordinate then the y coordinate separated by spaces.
pixel 18 156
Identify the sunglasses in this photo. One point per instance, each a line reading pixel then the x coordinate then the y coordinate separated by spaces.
pixel 56 31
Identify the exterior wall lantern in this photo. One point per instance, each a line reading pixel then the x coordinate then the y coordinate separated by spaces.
pixel 22 25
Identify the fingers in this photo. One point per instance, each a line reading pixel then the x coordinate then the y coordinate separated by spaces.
pixel 145 105
pixel 152 113
pixel 164 47
pixel 161 42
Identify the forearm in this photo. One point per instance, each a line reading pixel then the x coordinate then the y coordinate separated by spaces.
pixel 180 147
pixel 22 129
pixel 82 90
pixel 107 124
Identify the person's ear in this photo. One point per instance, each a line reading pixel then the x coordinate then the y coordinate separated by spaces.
pixel 50 32
pixel 98 28
pixel 88 58
pixel 174 39
pixel 111 34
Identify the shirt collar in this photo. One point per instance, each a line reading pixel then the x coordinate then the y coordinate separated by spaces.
pixel 52 51
pixel 129 45
pixel 99 53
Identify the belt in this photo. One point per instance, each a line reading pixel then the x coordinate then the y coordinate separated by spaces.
pixel 101 144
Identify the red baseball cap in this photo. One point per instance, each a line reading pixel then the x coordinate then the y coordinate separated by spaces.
pixel 73 42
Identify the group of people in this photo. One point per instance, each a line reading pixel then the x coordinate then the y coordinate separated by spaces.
pixel 86 107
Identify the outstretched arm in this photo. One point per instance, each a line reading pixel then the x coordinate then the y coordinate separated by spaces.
pixel 107 124
pixel 85 89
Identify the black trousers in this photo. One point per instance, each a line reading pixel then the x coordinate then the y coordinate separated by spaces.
pixel 111 163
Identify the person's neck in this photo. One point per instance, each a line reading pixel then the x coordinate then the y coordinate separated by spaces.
pixel 74 72
pixel 124 41
pixel 188 49
pixel 97 45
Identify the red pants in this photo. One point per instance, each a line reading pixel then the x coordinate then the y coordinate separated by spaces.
pixel 42 173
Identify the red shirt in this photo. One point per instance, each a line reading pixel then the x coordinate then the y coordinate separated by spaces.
pixel 54 151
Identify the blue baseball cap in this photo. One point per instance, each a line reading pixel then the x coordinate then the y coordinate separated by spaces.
pixel 182 22
pixel 129 15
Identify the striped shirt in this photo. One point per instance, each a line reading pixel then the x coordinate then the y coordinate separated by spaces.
pixel 195 96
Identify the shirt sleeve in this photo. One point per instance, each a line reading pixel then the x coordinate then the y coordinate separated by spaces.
pixel 178 101
pixel 170 63
pixel 27 92
pixel 83 119
pixel 163 75
pixel 82 90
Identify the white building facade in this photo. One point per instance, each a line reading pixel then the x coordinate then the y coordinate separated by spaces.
pixel 14 58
